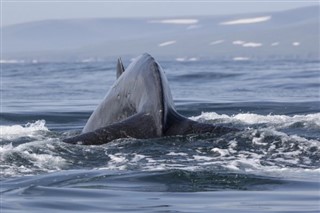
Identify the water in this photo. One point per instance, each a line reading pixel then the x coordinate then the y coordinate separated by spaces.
pixel 271 165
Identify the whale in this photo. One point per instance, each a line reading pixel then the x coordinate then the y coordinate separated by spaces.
pixel 139 105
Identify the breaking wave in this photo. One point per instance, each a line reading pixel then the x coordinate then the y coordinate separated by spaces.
pixel 278 121
pixel 265 146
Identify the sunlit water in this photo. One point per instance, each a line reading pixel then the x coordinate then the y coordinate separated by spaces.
pixel 271 165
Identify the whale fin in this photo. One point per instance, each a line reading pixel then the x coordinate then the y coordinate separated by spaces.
pixel 120 68
pixel 180 125
pixel 140 125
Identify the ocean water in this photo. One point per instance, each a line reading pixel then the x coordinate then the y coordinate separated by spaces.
pixel 271 165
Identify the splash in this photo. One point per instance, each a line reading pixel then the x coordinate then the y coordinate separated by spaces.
pixel 26 149
pixel 279 121
pixel 266 152
pixel 262 147
pixel 17 131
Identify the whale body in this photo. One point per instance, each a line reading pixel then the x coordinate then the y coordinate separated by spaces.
pixel 139 105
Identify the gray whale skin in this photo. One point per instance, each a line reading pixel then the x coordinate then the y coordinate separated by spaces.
pixel 139 105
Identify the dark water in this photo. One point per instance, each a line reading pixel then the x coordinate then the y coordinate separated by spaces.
pixel 271 165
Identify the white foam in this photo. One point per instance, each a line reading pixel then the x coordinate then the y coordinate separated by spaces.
pixel 216 42
pixel 275 44
pixel 247 20
pixel 47 161
pixel 296 43
pixel 180 59
pixel 175 21
pixel 261 157
pixel 88 60
pixel 177 154
pixel 11 61
pixel 167 43
pixel 278 119
pixel 241 58
pixel 221 152
pixel 252 44
pixel 5 149
pixel 202 158
pixel 28 130
pixel 238 42
pixel 251 118
pixel 285 149
pixel 194 26
pixel 44 159
pixel 231 158
pixel 193 59
pixel 247 44
pixel 118 158
pixel 137 157
pixel 38 156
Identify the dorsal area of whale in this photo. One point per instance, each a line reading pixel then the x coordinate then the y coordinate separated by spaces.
pixel 139 105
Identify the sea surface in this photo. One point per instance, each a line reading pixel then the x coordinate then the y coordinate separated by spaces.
pixel 271 165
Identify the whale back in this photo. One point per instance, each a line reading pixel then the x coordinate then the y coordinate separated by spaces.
pixel 142 88
pixel 139 105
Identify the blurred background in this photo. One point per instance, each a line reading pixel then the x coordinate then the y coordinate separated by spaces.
pixel 42 31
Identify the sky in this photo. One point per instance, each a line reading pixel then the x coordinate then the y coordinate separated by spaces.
pixel 19 11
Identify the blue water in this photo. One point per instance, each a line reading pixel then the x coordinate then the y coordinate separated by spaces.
pixel 271 165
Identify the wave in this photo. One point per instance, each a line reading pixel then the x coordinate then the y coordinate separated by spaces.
pixel 263 147
pixel 13 61
pixel 280 121
pixel 16 131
